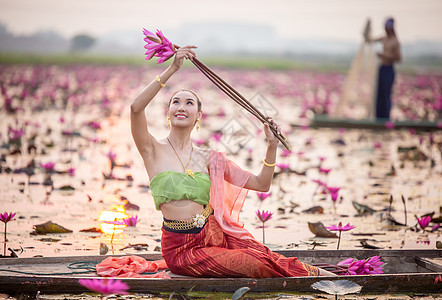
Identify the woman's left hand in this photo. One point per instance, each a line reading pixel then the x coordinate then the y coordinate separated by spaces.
pixel 271 138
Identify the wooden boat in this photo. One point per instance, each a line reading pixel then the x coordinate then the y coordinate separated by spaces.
pixel 327 121
pixel 417 271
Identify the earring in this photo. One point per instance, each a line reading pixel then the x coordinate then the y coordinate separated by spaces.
pixel 197 125
pixel 168 122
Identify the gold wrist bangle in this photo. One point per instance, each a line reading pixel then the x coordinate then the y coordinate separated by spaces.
pixel 159 81
pixel 269 165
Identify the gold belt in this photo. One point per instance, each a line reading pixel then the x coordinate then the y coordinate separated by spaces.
pixel 196 221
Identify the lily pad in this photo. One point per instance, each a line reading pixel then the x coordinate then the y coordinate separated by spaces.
pixel 337 287
pixel 50 227
pixel 240 292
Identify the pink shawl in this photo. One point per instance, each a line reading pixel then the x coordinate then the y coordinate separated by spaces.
pixel 227 194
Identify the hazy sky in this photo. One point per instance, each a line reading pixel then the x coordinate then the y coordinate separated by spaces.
pixel 325 19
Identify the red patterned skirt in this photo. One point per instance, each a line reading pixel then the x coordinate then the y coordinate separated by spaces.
pixel 212 253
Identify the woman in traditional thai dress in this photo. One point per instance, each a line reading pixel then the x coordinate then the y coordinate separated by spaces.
pixel 200 193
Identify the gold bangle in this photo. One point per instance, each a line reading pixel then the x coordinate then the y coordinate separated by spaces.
pixel 269 165
pixel 159 81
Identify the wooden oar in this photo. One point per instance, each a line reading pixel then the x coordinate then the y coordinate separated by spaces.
pixel 238 98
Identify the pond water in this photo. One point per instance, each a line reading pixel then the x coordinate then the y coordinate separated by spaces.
pixel 77 117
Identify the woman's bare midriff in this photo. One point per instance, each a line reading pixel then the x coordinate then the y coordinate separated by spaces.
pixel 180 209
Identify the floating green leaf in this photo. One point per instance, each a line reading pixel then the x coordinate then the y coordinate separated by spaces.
pixel 240 292
pixel 50 227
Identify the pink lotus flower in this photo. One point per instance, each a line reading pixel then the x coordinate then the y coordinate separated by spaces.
pixel 48 167
pixel 334 192
pixel 262 196
pixel 94 125
pixel 105 286
pixel 340 229
pixel 286 153
pixel 217 136
pixel 319 182
pixel 71 172
pixel 199 142
pixel 325 171
pixel 389 125
pixel 131 221
pixel 6 217
pixel 111 155
pixel 158 45
pixel 424 222
pixel 283 167
pixel 377 145
pixel 15 134
pixel 263 216
pixel 372 265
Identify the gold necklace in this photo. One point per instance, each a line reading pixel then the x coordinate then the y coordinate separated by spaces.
pixel 187 171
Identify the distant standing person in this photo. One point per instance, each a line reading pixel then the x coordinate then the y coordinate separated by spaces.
pixel 390 54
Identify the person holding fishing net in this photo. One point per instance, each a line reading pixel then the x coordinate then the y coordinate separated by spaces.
pixel 391 54
pixel 201 192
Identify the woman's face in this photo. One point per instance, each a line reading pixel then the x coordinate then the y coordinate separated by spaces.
pixel 183 109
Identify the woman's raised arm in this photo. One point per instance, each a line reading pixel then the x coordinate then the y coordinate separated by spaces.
pixel 263 180
pixel 144 141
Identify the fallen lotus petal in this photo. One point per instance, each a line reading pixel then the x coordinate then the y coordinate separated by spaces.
pixel 337 287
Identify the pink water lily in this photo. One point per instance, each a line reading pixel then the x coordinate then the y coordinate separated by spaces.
pixel 325 171
pixel 5 218
pixel 48 167
pixel 105 286
pixel 372 265
pixel 424 222
pixel 15 134
pixel 389 125
pixel 286 153
pixel 334 192
pixel 264 216
pixel 283 167
pixel 131 221
pixel 111 155
pixel 262 196
pixel 71 171
pixel 216 136
pixel 319 182
pixel 340 228
pixel 158 45
pixel 94 125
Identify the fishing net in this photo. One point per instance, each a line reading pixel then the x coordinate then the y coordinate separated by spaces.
pixel 359 90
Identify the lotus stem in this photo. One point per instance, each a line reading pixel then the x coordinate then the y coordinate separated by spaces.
pixel 339 239
pixel 405 208
pixel 4 249
pixel 263 235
